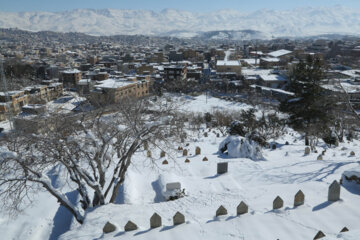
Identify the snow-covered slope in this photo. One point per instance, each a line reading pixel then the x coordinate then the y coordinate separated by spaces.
pixel 297 22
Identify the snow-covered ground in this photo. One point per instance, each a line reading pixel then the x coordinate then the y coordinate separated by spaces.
pixel 283 172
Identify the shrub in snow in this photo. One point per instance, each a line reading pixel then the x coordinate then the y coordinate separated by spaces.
pixel 238 147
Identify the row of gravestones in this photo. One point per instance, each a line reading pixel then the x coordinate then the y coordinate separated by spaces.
pixel 242 208
pixel 185 152
pixel 155 222
pixel 320 157
pixel 333 196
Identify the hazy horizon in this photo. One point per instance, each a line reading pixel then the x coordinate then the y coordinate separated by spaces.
pixel 159 5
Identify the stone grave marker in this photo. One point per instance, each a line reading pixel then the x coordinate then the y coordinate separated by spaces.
pixel 109 227
pixel 320 157
pixel 185 152
pixel 205 159
pixel 307 151
pixel 178 218
pixel 165 162
pixel 334 192
pixel 319 235
pixel 146 145
pixel 242 208
pixel 197 151
pixel 148 154
pixel 205 134
pixel 162 154
pixel 222 168
pixel 278 203
pixel 299 199
pixel 130 226
pixel 345 229
pixel 187 161
pixel 155 221
pixel 221 211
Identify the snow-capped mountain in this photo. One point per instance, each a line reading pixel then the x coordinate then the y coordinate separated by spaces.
pixel 171 22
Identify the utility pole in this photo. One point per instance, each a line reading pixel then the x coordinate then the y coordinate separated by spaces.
pixel 7 96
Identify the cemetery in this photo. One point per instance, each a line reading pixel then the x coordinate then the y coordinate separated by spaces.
pixel 246 192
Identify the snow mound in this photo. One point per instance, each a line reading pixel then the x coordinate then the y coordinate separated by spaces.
pixel 239 147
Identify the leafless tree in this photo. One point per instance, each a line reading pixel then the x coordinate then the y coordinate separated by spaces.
pixel 95 149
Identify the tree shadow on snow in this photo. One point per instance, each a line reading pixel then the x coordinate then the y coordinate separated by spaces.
pixel 63 218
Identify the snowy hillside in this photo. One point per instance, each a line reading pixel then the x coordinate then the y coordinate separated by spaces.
pixel 297 22
pixel 283 172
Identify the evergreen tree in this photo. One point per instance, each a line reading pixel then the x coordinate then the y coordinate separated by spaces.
pixel 309 110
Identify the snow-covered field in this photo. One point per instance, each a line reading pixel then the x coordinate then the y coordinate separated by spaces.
pixel 285 171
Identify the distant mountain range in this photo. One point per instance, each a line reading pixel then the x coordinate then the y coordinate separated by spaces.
pixel 262 24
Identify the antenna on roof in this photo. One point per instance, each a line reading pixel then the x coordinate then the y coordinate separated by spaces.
pixel 7 96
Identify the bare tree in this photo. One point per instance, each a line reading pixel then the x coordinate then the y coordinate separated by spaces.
pixel 95 149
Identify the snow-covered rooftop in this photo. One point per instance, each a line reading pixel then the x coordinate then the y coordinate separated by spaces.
pixel 272 77
pixel 71 71
pixel 279 53
pixel 228 63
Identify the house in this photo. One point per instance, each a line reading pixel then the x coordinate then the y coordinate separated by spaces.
pixel 272 80
pixel 12 102
pixel 233 66
pixel 114 90
pixel 70 77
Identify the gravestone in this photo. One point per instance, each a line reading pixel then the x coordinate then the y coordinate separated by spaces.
pixel 188 144
pixel 130 226
pixel 148 153
pixel 205 159
pixel 273 147
pixel 345 229
pixel 182 140
pixel 307 151
pixel 334 192
pixel 299 198
pixel 352 153
pixel 319 235
pixel 180 148
pixel 187 161
pixel 217 135
pixel 222 168
pixel 162 154
pixel 146 145
pixel 165 162
pixel 278 203
pixel 320 157
pixel 109 227
pixel 185 152
pixel 286 143
pixel 197 151
pixel 205 134
pixel 155 221
pixel 221 211
pixel 242 208
pixel 173 186
pixel 178 218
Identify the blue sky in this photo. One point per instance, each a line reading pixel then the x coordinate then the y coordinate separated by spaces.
pixel 157 5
